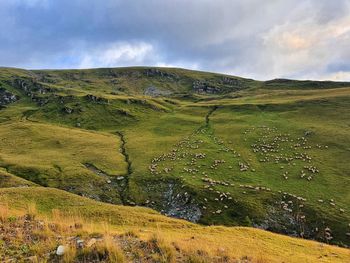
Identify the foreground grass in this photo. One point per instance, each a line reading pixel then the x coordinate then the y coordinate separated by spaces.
pixel 123 234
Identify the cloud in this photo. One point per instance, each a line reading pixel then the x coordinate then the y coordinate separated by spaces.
pixel 117 54
pixel 253 38
pixel 307 48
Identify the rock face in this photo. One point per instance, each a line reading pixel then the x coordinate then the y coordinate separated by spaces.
pixel 205 87
pixel 6 97
pixel 280 221
pixel 172 199
pixel 155 92
pixel 231 81
pixel 34 90
pixel 223 85
pixel 291 224
pixel 180 205
pixel 31 87
pixel 154 72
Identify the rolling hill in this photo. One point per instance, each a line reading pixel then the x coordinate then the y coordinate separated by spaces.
pixel 208 148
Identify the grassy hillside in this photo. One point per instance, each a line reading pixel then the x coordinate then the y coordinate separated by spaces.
pixel 10 180
pixel 62 157
pixel 123 234
pixel 209 148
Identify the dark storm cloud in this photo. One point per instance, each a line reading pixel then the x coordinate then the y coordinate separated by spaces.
pixel 260 39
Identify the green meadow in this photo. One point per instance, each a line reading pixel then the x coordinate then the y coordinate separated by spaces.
pixel 271 155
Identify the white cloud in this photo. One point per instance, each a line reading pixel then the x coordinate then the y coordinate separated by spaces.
pixel 117 54
pixel 337 76
pixel 178 64
pixel 121 54
pixel 262 40
pixel 305 49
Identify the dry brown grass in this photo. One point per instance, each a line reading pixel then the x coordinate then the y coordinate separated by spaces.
pixel 161 243
pixel 166 251
pixel 4 212
pixel 31 210
pixel 109 246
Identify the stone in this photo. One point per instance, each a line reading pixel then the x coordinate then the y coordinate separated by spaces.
pixel 60 250
pixel 91 242
pixel 68 110
pixel 80 243
pixel 6 97
pixel 155 92
pixel 204 87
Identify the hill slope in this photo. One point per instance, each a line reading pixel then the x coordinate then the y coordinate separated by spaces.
pixel 121 231
pixel 209 148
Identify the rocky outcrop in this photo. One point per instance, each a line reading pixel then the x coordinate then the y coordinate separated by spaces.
pixel 153 72
pixel 231 81
pixel 155 92
pixel 199 86
pixel 64 99
pixel 280 221
pixel 7 97
pixel 68 110
pixel 297 224
pixel 95 99
pixel 36 91
pixel 223 85
pixel 31 87
pixel 172 198
pixel 180 204
pixel 41 101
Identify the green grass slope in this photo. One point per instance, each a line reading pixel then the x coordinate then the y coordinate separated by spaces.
pixel 206 147
pixel 60 157
pixel 10 180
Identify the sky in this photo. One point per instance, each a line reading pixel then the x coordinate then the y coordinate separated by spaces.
pixel 260 39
